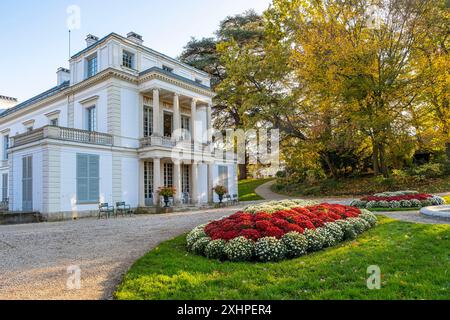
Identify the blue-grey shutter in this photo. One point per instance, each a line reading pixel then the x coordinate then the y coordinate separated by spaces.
pixel 4 187
pixel 82 177
pixel 94 173
pixel 27 183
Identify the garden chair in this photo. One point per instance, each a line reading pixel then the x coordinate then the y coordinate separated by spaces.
pixel 186 198
pixel 123 209
pixel 161 201
pixel 235 199
pixel 227 199
pixel 105 209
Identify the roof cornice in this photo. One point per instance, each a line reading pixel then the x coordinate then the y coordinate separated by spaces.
pixel 105 75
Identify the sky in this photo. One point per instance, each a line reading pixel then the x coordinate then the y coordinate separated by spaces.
pixel 34 38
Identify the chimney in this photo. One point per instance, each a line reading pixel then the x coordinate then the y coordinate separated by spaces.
pixel 62 75
pixel 90 40
pixel 136 38
pixel 7 102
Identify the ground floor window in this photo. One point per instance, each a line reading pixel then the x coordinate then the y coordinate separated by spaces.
pixel 4 187
pixel 168 174
pixel 185 179
pixel 223 176
pixel 88 178
pixel 148 182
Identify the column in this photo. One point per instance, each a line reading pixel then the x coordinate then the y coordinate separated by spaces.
pixel 193 118
pixel 156 114
pixel 209 122
pixel 141 184
pixel 210 182
pixel 156 180
pixel 176 117
pixel 177 180
pixel 194 182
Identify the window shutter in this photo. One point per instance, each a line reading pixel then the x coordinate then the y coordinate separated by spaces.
pixel 94 172
pixel 82 177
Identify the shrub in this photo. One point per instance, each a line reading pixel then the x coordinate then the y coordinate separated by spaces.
pixel 369 217
pixel 239 249
pixel 429 170
pixel 328 237
pixel 393 204
pixel 348 229
pixel 335 230
pixel 195 235
pixel 215 249
pixel 315 240
pixel 295 243
pixel 270 249
pixel 405 204
pixel 359 225
pixel 199 246
pixel 416 203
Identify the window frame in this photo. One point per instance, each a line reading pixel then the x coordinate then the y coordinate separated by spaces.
pixel 130 62
pixel 91 70
pixel 91 121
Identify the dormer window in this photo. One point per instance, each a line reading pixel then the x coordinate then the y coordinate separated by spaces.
pixel 198 81
pixel 166 68
pixel 128 59
pixel 91 66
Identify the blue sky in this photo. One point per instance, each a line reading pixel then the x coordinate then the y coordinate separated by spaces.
pixel 34 34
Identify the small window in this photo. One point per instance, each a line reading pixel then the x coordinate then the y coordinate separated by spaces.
pixel 128 59
pixel 198 81
pixel 91 119
pixel 5 147
pixel 91 66
pixel 54 122
pixel 5 187
pixel 29 129
pixel 168 69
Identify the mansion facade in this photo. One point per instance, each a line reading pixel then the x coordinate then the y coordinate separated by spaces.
pixel 123 121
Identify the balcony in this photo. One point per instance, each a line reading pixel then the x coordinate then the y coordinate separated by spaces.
pixel 170 143
pixel 64 134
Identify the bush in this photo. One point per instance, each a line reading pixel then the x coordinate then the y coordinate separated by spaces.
pixel 429 170
pixel 315 240
pixel 199 246
pixel 359 225
pixel 270 249
pixel 215 249
pixel 239 249
pixel 194 235
pixel 296 244
pixel 369 217
pixel 348 229
pixel 335 230
pixel 328 237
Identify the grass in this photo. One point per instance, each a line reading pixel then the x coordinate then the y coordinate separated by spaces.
pixel 247 189
pixel 447 199
pixel 358 186
pixel 414 261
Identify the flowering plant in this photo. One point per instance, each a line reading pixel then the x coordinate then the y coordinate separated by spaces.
pixel 167 191
pixel 282 234
pixel 220 190
pixel 398 199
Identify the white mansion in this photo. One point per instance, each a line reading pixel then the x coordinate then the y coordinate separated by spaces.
pixel 122 122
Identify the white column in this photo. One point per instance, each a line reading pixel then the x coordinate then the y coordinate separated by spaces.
pixel 210 182
pixel 141 184
pixel 156 114
pixel 194 182
pixel 156 180
pixel 177 180
pixel 176 116
pixel 209 122
pixel 193 119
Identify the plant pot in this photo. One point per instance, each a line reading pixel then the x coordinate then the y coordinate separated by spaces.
pixel 220 198
pixel 166 201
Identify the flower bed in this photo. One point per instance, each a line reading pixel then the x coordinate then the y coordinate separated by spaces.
pixel 399 199
pixel 287 233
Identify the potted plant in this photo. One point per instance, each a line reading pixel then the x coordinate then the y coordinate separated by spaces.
pixel 221 191
pixel 166 192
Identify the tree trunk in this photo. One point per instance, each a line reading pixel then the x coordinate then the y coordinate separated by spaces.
pixel 330 165
pixel 375 163
pixel 383 165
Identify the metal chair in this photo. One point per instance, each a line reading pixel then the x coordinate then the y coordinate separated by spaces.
pixel 105 209
pixel 123 209
pixel 227 199
pixel 235 199
pixel 186 198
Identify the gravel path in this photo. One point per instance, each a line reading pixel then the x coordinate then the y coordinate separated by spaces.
pixel 34 257
pixel 413 216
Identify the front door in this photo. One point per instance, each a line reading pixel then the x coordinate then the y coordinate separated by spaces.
pixel 27 183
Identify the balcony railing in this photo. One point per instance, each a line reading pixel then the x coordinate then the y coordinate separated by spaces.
pixel 170 143
pixel 62 133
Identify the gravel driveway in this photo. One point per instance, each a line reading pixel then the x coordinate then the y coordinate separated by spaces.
pixel 34 258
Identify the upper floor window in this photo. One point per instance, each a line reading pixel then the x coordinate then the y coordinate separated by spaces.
pixel 199 81
pixel 91 65
pixel 29 129
pixel 91 119
pixel 166 68
pixel 148 121
pixel 54 122
pixel 5 147
pixel 128 59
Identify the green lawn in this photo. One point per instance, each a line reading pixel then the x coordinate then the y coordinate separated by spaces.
pixel 358 186
pixel 414 261
pixel 247 189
